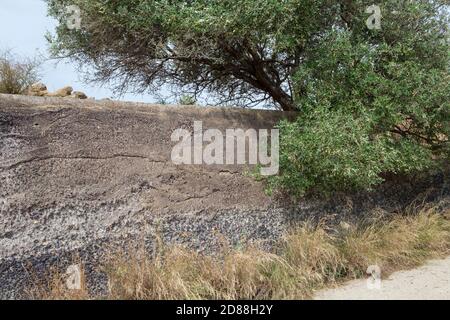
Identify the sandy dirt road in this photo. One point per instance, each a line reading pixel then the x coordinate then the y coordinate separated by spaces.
pixel 429 282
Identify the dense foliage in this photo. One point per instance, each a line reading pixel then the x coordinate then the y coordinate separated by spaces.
pixel 370 101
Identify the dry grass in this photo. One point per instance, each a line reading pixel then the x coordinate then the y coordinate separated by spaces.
pixel 309 258
pixel 17 73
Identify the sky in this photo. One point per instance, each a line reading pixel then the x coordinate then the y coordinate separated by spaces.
pixel 23 25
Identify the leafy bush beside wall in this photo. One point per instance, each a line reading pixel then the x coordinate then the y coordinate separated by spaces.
pixel 371 102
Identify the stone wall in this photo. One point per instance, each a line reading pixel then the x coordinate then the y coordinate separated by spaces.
pixel 80 177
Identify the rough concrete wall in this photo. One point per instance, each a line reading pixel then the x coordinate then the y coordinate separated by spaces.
pixel 81 176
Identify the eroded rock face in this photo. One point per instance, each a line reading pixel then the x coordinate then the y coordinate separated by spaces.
pixel 81 176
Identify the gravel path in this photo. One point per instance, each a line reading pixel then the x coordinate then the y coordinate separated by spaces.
pixel 429 282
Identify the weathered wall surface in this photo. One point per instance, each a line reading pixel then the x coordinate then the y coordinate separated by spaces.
pixel 80 176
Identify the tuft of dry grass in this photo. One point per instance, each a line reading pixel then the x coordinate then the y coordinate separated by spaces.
pixel 310 257
pixel 17 74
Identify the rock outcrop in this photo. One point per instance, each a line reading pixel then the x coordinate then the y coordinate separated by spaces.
pixel 79 95
pixel 40 90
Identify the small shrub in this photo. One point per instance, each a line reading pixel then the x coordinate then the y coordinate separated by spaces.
pixel 187 100
pixel 17 74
